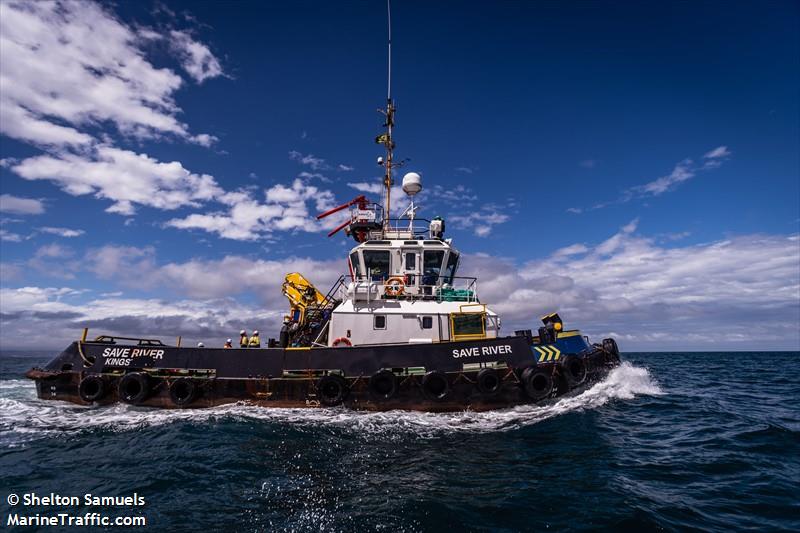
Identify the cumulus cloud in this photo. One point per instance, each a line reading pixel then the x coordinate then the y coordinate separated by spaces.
pixel 16 205
pixel 658 297
pixel 284 208
pixel 122 176
pixel 68 65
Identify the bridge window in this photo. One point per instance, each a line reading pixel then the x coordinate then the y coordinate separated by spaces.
pixel 377 264
pixel 356 265
pixel 450 270
pixel 432 266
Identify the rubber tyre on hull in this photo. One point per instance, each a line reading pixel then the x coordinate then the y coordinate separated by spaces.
pixel 134 387
pixel 383 384
pixel 331 390
pixel 538 383
pixel 573 368
pixel 435 385
pixel 183 391
pixel 92 388
pixel 488 381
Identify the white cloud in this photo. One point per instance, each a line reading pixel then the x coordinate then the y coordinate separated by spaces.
pixel 62 232
pixel 481 222
pixel 372 187
pixel 657 297
pixel 316 163
pixel 20 206
pixel 717 153
pixel 247 218
pixel 345 168
pixel 195 57
pixel 122 176
pixel 683 171
pixel 9 236
pixel 71 65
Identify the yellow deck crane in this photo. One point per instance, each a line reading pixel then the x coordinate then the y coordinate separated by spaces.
pixel 309 311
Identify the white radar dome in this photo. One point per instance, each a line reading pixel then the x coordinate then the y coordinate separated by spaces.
pixel 412 183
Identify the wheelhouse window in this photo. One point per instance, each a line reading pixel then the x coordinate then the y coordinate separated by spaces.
pixel 377 264
pixel 432 266
pixel 450 269
pixel 356 264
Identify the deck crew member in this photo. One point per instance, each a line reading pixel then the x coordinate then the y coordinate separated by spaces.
pixel 228 344
pixel 255 342
pixel 243 339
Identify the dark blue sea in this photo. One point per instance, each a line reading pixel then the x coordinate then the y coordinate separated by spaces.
pixel 668 442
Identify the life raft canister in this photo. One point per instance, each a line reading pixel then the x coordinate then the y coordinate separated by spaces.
pixel 92 388
pixel 183 391
pixel 538 382
pixel 331 390
pixel 488 381
pixel 435 385
pixel 573 368
pixel 134 387
pixel 341 341
pixel 383 384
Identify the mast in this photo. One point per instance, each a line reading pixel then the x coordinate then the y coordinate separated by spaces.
pixel 388 142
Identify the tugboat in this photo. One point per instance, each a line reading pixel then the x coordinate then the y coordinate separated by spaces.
pixel 399 330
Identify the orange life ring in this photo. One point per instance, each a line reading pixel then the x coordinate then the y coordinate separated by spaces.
pixel 341 341
pixel 394 286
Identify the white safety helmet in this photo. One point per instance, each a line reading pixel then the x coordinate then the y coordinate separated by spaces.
pixel 255 332
pixel 229 340
pixel 242 332
pixel 201 345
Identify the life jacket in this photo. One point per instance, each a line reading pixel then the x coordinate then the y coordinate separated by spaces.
pixel 255 342
pixel 243 341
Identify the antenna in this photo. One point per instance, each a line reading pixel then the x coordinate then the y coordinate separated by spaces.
pixel 389 18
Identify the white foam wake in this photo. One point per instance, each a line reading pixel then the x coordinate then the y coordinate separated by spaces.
pixel 23 417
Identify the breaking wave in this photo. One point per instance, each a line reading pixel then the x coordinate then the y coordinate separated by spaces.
pixel 23 417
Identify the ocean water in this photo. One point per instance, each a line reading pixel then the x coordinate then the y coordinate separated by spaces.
pixel 669 441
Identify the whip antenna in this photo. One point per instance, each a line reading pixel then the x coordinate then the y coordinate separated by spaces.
pixel 386 138
pixel 389 19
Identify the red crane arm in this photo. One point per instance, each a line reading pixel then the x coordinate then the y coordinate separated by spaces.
pixel 361 200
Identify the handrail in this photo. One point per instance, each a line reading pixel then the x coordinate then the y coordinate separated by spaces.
pixel 112 339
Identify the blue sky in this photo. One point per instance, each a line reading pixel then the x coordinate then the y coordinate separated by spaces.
pixel 635 166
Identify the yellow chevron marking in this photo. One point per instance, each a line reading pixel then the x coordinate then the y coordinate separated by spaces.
pixel 548 353
pixel 542 353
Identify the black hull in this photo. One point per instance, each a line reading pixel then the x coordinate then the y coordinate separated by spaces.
pixel 171 377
